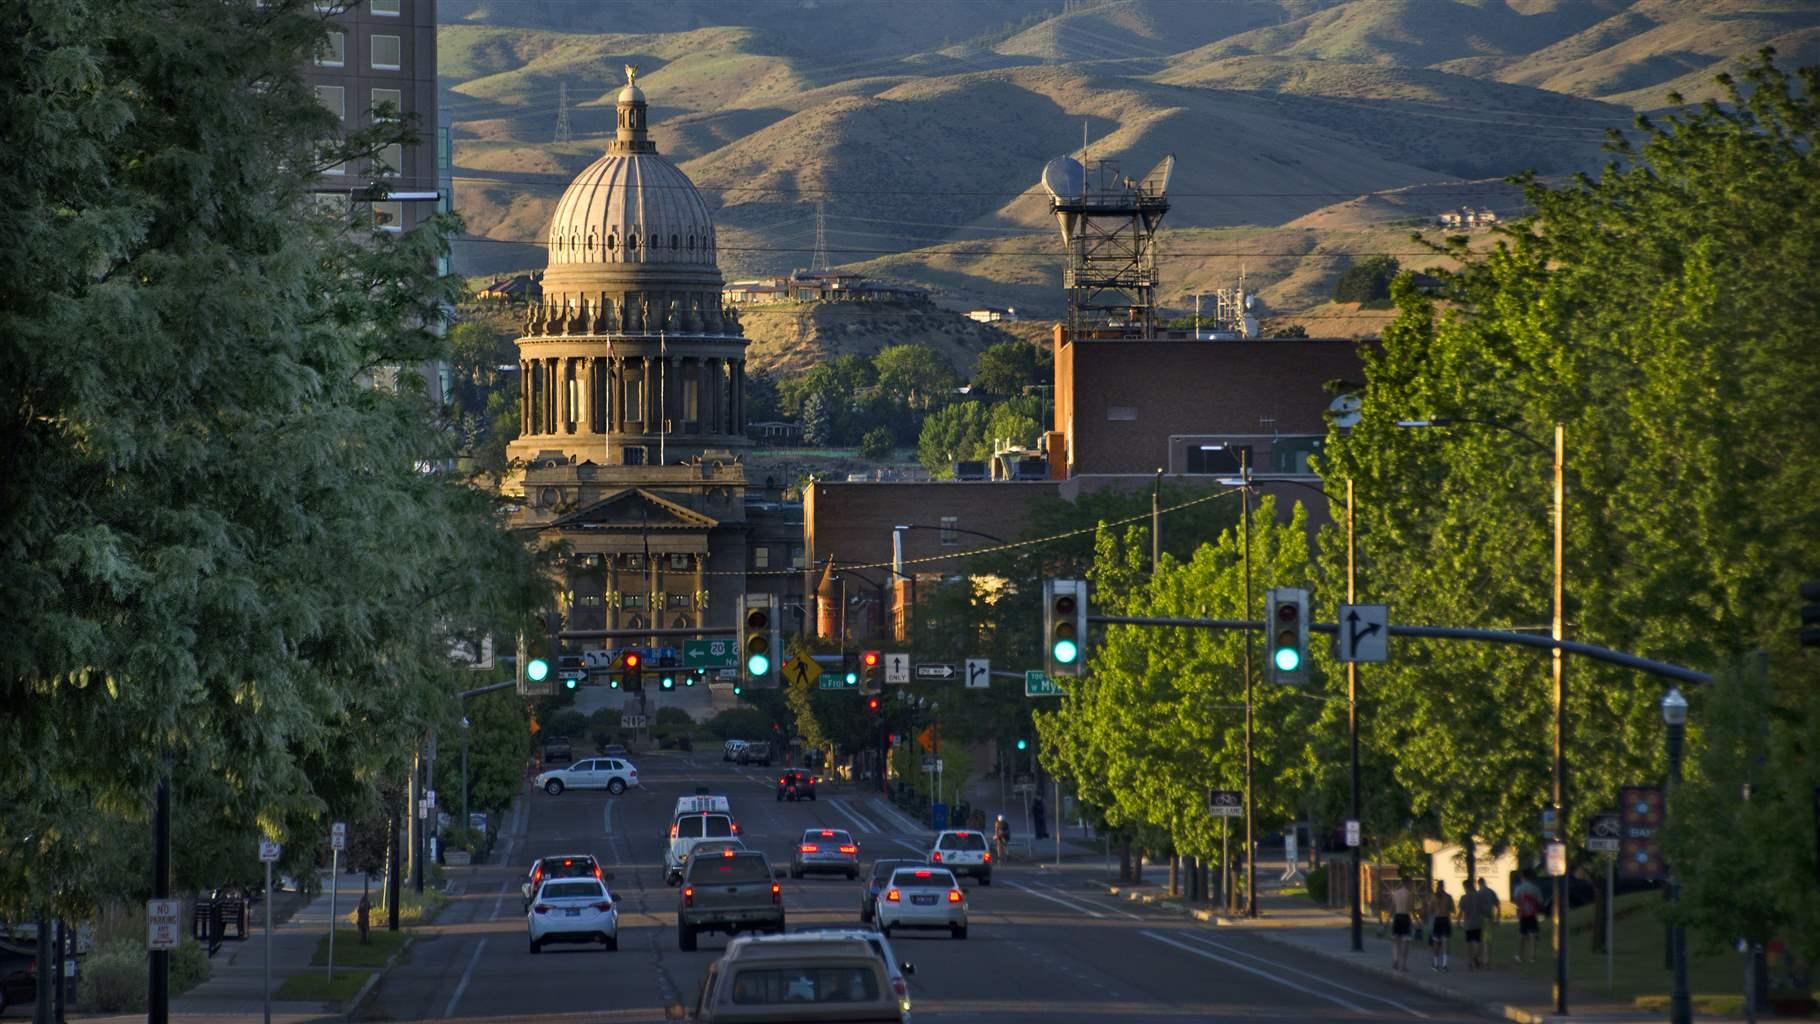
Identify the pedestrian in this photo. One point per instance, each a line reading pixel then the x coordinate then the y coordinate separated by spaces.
pixel 1401 901
pixel 1040 815
pixel 363 917
pixel 1001 836
pixel 1528 898
pixel 1440 925
pixel 1492 910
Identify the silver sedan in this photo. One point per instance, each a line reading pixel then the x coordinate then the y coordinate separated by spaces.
pixel 825 849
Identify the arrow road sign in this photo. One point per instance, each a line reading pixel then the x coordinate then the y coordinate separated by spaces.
pixel 1225 803
pixel 979 673
pixel 897 667
pixel 1364 632
pixel 942 670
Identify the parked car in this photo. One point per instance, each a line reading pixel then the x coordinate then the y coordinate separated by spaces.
pixel 556 751
pixel 734 892
pixel 18 975
pixel 795 785
pixel 964 852
pixel 756 753
pixel 609 773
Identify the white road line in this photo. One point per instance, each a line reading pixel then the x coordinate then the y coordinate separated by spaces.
pixel 1206 941
pixel 1285 982
pixel 859 820
pixel 1070 904
pixel 466 976
pixel 504 887
pixel 921 850
pixel 1084 902
pixel 883 808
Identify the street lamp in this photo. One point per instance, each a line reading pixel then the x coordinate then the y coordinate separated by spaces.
pixel 1556 666
pixel 1674 715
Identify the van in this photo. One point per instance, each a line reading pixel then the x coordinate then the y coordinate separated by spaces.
pixel 689 829
pixel 700 804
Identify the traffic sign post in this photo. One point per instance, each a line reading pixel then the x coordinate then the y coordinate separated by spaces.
pixel 979 674
pixel 1605 835
pixel 1225 803
pixel 1038 684
pixel 897 667
pixel 269 852
pixel 163 924
pixel 1364 633
pixel 338 841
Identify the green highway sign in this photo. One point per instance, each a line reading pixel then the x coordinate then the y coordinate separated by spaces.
pixel 1038 684
pixel 721 653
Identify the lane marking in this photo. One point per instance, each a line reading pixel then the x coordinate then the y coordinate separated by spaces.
pixel 859 820
pixel 883 808
pixel 920 850
pixel 1266 975
pixel 1086 902
pixel 1205 940
pixel 504 887
pixel 1070 904
pixel 466 976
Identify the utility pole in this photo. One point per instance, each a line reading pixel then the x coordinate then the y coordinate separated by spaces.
pixel 1156 522
pixel 1251 860
pixel 821 236
pixel 563 131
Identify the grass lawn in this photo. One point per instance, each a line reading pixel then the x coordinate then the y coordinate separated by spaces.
pixel 1638 971
pixel 315 987
pixel 414 908
pixel 350 953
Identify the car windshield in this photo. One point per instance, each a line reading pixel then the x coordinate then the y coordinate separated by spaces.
pixel 765 985
pixel 735 869
pixel 922 878
pixel 573 890
pixel 963 841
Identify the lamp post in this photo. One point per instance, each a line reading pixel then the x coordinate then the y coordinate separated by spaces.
pixel 1674 716
pixel 1556 665
pixel 465 817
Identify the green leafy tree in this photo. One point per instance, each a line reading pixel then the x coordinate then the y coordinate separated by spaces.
pixel 224 562
pixel 1367 281
pixel 1655 312
pixel 818 420
pixel 915 375
pixel 950 435
pixel 483 400
pixel 1006 369
pixel 878 443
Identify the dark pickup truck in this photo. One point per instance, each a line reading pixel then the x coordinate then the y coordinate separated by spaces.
pixel 734 892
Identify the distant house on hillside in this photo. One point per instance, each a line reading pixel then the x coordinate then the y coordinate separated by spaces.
pixel 775 432
pixel 516 290
pixel 992 314
pixel 819 286
pixel 1466 218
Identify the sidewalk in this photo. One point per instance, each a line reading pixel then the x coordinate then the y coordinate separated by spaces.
pixel 1297 921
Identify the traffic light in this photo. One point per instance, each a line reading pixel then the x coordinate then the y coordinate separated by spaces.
pixel 691 676
pixel 849 670
pixel 1065 627
pixel 869 662
pixel 668 681
pixel 872 705
pixel 666 663
pixel 629 675
pixel 759 641
pixel 1810 614
pixel 1022 743
pixel 1286 632
pixel 533 671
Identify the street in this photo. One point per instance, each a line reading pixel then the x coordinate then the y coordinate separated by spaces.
pixel 1046 944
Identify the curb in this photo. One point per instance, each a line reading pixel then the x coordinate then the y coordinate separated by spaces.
pixel 373 979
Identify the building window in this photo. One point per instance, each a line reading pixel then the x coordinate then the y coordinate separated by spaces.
pixel 635 398
pixel 589 600
pixel 334 99
pixel 590 561
pixel 1121 412
pixel 679 600
pixel 635 622
pixel 796 556
pixel 388 216
pixel 1290 453
pixel 388 104
pixel 386 52
pixel 442 149
pixel 1217 458
pixel 635 561
pixel 679 560
pixel 761 557
pixel 949 536
pixel 332 52
pixel 390 161
pixel 386 8
pixel 631 600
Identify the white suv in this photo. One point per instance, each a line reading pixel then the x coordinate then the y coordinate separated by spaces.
pixel 609 773
pixel 964 852
pixel 730 752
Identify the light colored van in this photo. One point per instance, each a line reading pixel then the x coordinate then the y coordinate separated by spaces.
pixel 700 804
pixel 689 829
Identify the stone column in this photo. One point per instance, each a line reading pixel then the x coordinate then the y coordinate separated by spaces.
pixel 524 396
pixel 739 396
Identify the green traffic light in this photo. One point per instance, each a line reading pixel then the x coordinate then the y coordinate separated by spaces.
pixel 1023 744
pixel 689 680
pixel 570 683
pixel 1287 659
pixel 537 670
pixel 615 682
pixel 758 665
pixel 1066 651
pixel 669 682
pixel 853 679
pixel 738 689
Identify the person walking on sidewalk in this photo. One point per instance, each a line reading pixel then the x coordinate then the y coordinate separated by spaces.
pixel 1440 925
pixel 1401 902
pixel 1001 837
pixel 1528 899
pixel 1479 911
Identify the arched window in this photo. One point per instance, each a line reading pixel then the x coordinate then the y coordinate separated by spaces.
pixel 675 243
pixel 632 241
pixel 635 622
pixel 656 242
pixel 612 243
pixel 691 243
pixel 682 622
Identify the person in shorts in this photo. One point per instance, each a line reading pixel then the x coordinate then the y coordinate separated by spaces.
pixel 1401 902
pixel 1528 898
pixel 1440 926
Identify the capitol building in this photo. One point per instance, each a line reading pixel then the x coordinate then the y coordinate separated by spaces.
pixel 632 378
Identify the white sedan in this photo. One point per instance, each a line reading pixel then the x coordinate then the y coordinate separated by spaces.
pixel 613 774
pixel 922 898
pixel 573 910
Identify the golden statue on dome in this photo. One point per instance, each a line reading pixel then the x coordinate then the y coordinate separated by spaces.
pixel 631 74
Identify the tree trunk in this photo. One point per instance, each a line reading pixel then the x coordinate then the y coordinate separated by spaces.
pixel 1175 877
pixel 1124 859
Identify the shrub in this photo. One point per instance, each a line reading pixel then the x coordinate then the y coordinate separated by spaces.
pixel 1317 885
pixel 114 977
pixel 878 443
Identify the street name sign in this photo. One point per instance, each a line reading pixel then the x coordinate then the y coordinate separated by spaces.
pixel 979 673
pixel 1038 684
pixel 897 667
pixel 269 850
pixel 338 836
pixel 163 924
pixel 801 671
pixel 1225 803
pixel 1364 632
pixel 932 764
pixel 722 653
pixel 633 721
pixel 935 670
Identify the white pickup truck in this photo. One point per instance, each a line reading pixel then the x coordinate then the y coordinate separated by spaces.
pixel 963 852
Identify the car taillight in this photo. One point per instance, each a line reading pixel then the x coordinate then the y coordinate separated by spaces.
pixel 777 893
pixel 808 848
pixel 726 853
pixel 603 905
pixel 954 895
pixel 898 986
pixel 937 858
pixel 893 897
pixel 672 830
pixel 780 780
pixel 598 874
pixel 736 828
pixel 988 858
pixel 542 909
pixel 849 849
pixel 688 895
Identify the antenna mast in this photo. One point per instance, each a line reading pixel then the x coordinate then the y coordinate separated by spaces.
pixel 563 131
pixel 820 262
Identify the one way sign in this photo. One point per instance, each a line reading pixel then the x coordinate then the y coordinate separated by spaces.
pixel 1364 632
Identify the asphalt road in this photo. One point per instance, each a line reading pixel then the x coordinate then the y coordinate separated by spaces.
pixel 1043 946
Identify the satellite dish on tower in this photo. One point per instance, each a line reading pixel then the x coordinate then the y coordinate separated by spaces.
pixel 1065 178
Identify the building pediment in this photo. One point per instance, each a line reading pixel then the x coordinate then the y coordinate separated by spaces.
pixel 635 509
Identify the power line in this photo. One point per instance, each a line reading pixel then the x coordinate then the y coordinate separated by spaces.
pixel 1045 254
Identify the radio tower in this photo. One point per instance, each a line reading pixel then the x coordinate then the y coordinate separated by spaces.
pixel 563 133
pixel 821 237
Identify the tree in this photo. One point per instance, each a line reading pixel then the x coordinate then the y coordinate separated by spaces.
pixel 878 443
pixel 915 375
pixel 1014 422
pixel 483 402
pixel 950 435
pixel 1367 280
pixel 225 563
pixel 1655 311
pixel 764 402
pixel 1006 369
pixel 818 420
pixel 1291 331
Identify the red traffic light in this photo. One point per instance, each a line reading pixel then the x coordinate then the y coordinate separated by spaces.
pixel 869 659
pixel 872 704
pixel 633 659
